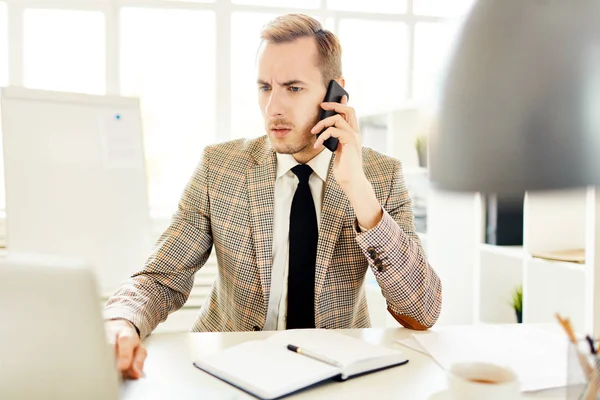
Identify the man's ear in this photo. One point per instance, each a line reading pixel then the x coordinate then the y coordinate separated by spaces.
pixel 341 81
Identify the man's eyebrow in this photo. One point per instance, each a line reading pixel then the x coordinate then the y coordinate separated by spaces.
pixel 293 82
pixel 288 83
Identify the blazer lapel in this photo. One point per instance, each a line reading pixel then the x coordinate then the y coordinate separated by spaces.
pixel 261 192
pixel 333 212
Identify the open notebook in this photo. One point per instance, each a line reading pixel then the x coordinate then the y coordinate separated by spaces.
pixel 268 369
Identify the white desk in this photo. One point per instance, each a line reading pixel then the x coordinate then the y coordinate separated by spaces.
pixel 171 375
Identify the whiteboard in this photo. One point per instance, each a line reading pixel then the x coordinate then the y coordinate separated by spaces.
pixel 75 179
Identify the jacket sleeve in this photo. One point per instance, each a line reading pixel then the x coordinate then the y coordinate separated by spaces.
pixel 165 282
pixel 411 287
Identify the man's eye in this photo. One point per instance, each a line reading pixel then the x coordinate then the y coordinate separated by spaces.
pixel 263 88
pixel 295 88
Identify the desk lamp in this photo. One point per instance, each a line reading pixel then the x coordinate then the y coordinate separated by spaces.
pixel 520 107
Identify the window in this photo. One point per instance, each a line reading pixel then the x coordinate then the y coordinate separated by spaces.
pixel 280 3
pixel 168 60
pixel 377 6
pixel 433 42
pixel 442 8
pixel 375 75
pixel 246 118
pixel 165 52
pixel 64 50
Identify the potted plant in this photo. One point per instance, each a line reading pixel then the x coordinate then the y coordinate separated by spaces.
pixel 517 302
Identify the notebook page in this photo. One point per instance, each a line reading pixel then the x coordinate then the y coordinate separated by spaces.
pixel 265 369
pixel 356 355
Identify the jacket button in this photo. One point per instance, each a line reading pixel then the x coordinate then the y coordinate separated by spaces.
pixel 256 328
pixel 379 265
pixel 372 252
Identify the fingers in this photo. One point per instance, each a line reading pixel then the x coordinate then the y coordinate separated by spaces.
pixel 348 113
pixel 335 120
pixel 129 352
pixel 332 132
pixel 126 344
pixel 135 371
pixel 139 358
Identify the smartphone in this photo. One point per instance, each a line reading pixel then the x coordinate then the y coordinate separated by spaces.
pixel 334 94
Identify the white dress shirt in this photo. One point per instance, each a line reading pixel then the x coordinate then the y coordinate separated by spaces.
pixel 285 187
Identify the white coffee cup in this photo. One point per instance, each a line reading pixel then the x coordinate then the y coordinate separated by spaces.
pixel 479 380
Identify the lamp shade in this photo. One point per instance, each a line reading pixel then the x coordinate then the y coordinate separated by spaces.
pixel 520 106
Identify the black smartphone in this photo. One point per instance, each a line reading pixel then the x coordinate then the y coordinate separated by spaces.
pixel 334 94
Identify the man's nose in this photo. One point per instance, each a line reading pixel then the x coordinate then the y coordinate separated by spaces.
pixel 275 106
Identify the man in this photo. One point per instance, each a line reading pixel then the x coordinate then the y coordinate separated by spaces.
pixel 294 226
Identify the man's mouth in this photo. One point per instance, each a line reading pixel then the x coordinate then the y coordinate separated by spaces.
pixel 280 131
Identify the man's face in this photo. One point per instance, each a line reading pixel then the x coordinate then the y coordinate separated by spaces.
pixel 290 91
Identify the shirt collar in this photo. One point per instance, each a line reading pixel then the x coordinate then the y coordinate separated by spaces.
pixel 319 164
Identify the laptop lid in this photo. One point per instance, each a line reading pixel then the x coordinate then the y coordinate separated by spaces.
pixel 52 337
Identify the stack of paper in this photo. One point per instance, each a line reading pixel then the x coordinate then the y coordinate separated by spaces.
pixel 538 354
pixel 574 255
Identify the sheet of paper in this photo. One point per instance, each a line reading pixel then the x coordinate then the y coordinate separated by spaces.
pixel 537 354
pixel 120 137
pixel 413 344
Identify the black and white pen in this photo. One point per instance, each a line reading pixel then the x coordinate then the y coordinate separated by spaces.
pixel 315 356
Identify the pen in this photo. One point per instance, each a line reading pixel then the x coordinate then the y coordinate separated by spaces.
pixel 566 324
pixel 591 343
pixel 583 361
pixel 317 357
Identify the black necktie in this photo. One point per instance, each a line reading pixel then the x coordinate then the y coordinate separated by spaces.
pixel 304 234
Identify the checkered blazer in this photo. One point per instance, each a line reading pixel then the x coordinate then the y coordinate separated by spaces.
pixel 228 203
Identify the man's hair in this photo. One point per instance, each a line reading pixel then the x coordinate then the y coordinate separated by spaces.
pixel 289 27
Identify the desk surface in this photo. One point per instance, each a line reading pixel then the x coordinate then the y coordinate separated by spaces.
pixel 170 373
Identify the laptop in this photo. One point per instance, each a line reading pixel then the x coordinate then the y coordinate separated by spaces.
pixel 52 338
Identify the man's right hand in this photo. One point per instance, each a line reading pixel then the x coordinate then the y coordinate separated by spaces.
pixel 129 352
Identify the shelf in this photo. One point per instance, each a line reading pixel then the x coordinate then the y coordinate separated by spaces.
pixel 500 272
pixel 509 251
pixel 551 264
pixel 553 287
pixel 555 220
pixel 548 286
pixel 518 252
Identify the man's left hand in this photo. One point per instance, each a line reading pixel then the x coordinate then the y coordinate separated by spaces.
pixel 347 166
